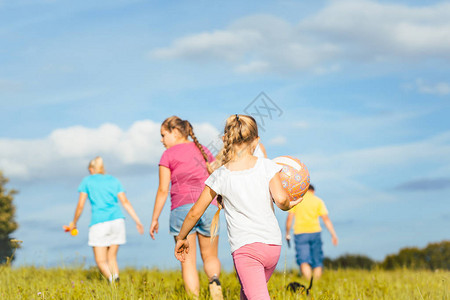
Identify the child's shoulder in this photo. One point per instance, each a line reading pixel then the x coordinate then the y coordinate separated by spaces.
pixel 183 147
pixel 220 173
pixel 269 168
pixel 86 179
pixel 266 162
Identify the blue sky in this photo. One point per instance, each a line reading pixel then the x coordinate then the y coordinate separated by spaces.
pixel 363 89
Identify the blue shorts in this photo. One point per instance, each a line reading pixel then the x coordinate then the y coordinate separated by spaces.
pixel 308 248
pixel 203 225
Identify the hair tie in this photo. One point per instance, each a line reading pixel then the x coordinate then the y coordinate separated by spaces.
pixel 237 117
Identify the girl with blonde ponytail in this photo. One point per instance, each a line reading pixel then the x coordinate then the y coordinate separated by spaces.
pixel 183 169
pixel 107 227
pixel 248 185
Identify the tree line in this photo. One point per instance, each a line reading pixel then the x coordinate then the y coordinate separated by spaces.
pixel 435 256
pixel 7 221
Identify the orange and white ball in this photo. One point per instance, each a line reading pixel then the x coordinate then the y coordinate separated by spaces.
pixel 294 176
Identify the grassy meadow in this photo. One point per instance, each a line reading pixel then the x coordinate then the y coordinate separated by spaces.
pixel 78 283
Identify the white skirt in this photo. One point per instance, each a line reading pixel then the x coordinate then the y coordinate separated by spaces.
pixel 107 233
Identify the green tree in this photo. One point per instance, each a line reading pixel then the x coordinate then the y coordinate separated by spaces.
pixel 350 261
pixel 434 256
pixel 7 220
pixel 437 255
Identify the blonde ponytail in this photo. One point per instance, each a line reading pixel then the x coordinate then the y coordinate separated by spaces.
pixel 213 231
pixel 239 129
pixel 97 165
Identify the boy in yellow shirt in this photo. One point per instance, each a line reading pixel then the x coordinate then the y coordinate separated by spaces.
pixel 308 242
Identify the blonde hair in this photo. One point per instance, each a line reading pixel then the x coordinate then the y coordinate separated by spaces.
pixel 97 165
pixel 239 130
pixel 185 128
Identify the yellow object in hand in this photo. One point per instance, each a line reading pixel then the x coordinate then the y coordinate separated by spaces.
pixel 73 232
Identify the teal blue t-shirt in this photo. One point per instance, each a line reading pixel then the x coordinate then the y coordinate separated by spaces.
pixel 102 191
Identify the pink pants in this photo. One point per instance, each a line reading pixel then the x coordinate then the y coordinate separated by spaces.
pixel 254 265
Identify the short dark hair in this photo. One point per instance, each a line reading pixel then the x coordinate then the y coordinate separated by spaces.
pixel 311 188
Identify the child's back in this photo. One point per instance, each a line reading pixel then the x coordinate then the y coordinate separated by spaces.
pixel 247 203
pixel 188 172
pixel 307 214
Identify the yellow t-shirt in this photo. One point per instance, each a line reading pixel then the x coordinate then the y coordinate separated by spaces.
pixel 307 214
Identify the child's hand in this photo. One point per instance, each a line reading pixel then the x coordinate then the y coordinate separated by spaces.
pixel 154 228
pixel 181 249
pixel 288 240
pixel 72 228
pixel 140 228
pixel 72 225
pixel 334 240
pixel 295 202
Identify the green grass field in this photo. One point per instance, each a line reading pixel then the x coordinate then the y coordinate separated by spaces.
pixel 77 283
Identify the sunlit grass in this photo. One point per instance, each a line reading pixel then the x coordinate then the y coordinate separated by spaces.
pixel 78 283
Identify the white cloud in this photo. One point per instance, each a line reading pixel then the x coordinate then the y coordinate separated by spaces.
pixel 223 44
pixel 67 151
pixel 253 67
pixel 253 44
pixel 278 140
pixel 301 124
pixel 343 31
pixel 440 88
pixel 376 31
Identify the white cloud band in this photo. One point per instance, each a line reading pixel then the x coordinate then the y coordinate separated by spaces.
pixel 67 151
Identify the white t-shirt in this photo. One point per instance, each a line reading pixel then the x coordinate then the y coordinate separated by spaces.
pixel 258 152
pixel 247 203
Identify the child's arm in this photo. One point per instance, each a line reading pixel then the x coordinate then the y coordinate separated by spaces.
pixel 329 225
pixel 78 210
pixel 289 220
pixel 182 245
pixel 129 208
pixel 279 195
pixel 161 197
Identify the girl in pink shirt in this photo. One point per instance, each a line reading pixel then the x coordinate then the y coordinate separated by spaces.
pixel 186 165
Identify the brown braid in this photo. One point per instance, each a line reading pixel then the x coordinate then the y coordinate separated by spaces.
pixel 199 146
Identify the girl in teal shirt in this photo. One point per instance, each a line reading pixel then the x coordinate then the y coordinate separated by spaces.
pixel 107 227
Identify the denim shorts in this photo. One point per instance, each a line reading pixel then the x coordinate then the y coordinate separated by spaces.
pixel 308 248
pixel 203 225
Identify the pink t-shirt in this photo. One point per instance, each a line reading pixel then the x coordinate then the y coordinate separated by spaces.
pixel 188 172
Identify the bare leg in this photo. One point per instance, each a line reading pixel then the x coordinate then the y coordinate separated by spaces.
pixel 189 268
pixel 112 260
pixel 208 251
pixel 101 258
pixel 211 264
pixel 317 272
pixel 306 270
